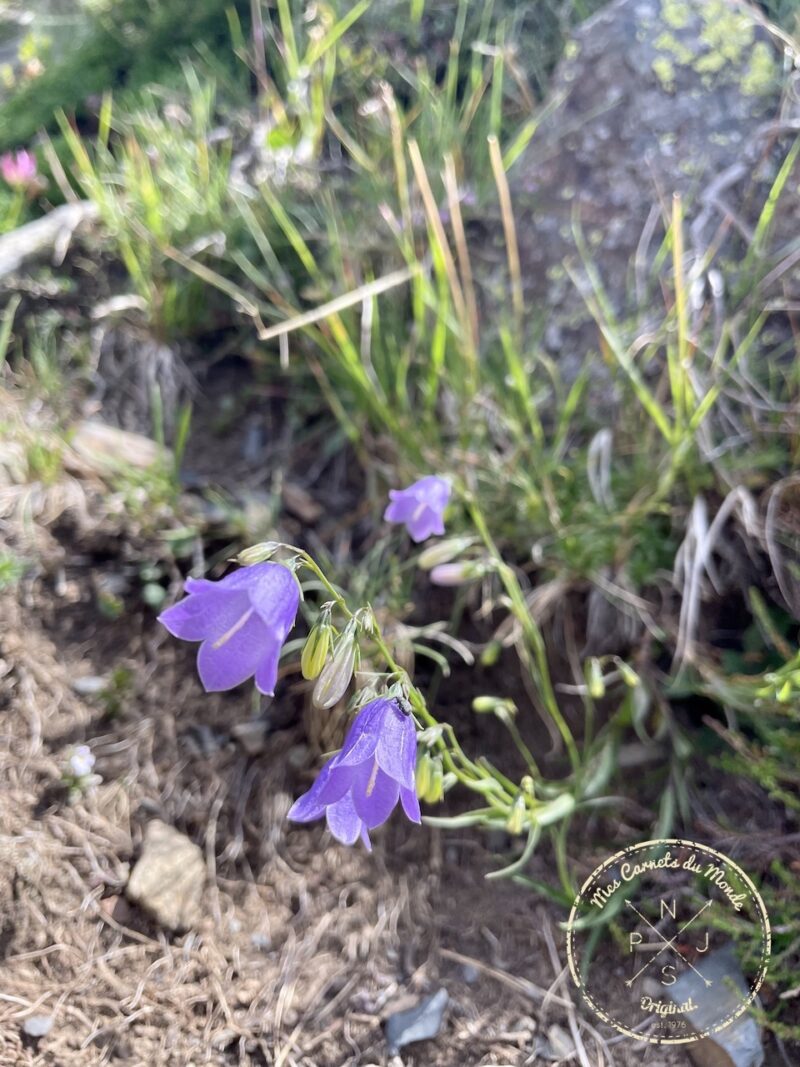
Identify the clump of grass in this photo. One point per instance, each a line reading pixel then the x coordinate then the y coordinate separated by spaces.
pixel 128 45
pixel 162 183
pixel 553 492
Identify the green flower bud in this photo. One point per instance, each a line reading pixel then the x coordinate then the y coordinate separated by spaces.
pixel 443 552
pixel 258 553
pixel 515 823
pixel 315 650
pixel 505 710
pixel 629 675
pixel 424 776
pixel 785 692
pixel 448 781
pixel 430 736
pixel 528 786
pixel 436 791
pixel 594 679
pixel 335 678
pixel 483 705
pixel 430 778
pixel 491 654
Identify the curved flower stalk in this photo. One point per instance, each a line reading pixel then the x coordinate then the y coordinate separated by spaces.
pixel 242 622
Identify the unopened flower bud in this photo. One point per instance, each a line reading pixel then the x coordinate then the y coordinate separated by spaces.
pixel 437 785
pixel 258 553
pixel 528 786
pixel 443 552
pixel 448 781
pixel 515 823
pixel 452 574
pixel 483 705
pixel 430 735
pixel 505 710
pixel 629 675
pixel 315 650
pixel 594 679
pixel 333 682
pixel 785 692
pixel 429 778
pixel 491 654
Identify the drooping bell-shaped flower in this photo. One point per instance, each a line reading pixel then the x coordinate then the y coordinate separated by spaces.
pixel 359 788
pixel 420 507
pixel 241 620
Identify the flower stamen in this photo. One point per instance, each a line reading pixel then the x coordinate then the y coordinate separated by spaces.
pixel 373 778
pixel 233 630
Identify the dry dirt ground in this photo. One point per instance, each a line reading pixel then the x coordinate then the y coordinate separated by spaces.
pixel 304 946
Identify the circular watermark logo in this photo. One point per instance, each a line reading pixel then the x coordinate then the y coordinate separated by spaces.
pixel 668 941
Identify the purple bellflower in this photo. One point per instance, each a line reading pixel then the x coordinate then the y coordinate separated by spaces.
pixel 358 789
pixel 420 506
pixel 242 621
pixel 18 169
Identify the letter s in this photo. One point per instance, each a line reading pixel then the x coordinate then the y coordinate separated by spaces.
pixel 669 975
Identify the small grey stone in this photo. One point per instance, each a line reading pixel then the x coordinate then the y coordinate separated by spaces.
pixel 739 1043
pixel 251 735
pixel 419 1023
pixel 38 1025
pixel 168 878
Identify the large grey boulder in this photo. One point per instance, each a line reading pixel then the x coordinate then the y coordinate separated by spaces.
pixel 651 98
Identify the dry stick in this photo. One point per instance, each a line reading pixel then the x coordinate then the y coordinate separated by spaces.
pixel 462 250
pixel 510 230
pixel 340 303
pixel 572 1016
pixel 519 985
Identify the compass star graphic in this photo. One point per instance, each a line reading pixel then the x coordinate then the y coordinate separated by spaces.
pixel 668 944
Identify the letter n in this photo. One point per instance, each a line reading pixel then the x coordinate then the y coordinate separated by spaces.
pixel 665 907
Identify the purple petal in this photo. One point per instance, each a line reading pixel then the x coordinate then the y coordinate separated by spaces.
pixel 273 592
pixel 402 506
pixel 362 737
pixel 374 795
pixel 267 670
pixel 420 507
pixel 343 821
pixel 204 614
pixel 425 522
pixel 434 490
pixel 202 585
pixel 329 787
pixel 410 802
pixel 232 658
pixel 397 747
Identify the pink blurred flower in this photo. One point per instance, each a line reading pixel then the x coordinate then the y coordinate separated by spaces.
pixel 18 169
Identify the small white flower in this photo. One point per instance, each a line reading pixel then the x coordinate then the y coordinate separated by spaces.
pixel 81 761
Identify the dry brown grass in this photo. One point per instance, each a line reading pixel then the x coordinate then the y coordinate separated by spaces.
pixel 304 946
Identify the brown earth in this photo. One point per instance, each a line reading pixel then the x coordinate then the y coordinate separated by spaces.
pixel 304 946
